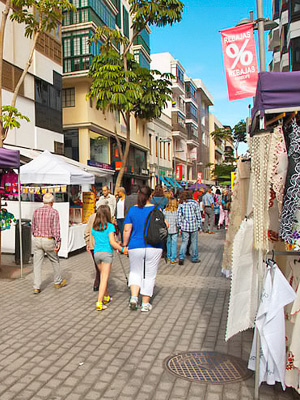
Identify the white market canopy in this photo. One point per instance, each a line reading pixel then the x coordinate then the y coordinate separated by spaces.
pixel 50 169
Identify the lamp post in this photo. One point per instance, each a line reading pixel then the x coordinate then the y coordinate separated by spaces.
pixel 261 24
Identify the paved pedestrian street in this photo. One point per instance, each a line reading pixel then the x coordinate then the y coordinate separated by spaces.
pixel 56 346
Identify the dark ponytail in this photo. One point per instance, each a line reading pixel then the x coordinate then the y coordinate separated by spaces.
pixel 143 195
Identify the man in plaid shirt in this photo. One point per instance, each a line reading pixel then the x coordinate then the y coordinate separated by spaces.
pixel 189 222
pixel 46 232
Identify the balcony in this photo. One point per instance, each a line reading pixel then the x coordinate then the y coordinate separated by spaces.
pixel 273 39
pixel 178 130
pixel 178 87
pixel 191 118
pixel 178 106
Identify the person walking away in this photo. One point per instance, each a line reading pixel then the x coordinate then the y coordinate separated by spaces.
pixel 120 210
pixel 217 205
pixel 103 233
pixel 208 208
pixel 170 213
pixel 131 199
pixel 107 199
pixel 158 198
pixel 144 259
pixel 189 222
pixel 46 231
pixel 226 207
pixel 89 242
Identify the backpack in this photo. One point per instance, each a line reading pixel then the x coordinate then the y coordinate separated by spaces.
pixel 157 231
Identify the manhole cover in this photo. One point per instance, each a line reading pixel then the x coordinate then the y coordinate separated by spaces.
pixel 208 367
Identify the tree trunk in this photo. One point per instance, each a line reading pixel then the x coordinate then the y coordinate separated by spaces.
pixel 2 31
pixel 126 153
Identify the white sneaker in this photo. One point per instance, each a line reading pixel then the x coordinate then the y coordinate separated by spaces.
pixel 133 303
pixel 146 307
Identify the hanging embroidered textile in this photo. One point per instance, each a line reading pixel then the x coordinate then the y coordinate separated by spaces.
pixel 270 323
pixel 263 162
pixel 237 212
pixel 244 282
pixel 6 219
pixel 291 201
pixel 292 312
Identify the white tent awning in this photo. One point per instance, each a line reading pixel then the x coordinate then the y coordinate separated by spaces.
pixel 50 169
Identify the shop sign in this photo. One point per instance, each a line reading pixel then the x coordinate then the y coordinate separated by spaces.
pixel 88 206
pixel 199 177
pixel 179 171
pixel 233 176
pixel 144 171
pixel 240 61
pixel 98 164
pixel 118 165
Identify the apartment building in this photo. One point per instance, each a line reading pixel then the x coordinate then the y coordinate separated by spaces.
pixel 182 111
pixel 284 40
pixel 90 133
pixel 160 150
pixel 204 100
pixel 216 149
pixel 40 95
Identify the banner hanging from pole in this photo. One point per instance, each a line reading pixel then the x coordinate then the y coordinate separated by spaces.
pixel 240 61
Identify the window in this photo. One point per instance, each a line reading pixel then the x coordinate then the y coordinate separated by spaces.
pixel 179 75
pixel 295 54
pixel 67 19
pixel 67 66
pixel 76 17
pixel 84 3
pixel 68 97
pixel 118 16
pixel 59 148
pixel 71 144
pixel 76 46
pixel 164 144
pixel 150 144
pixel 125 22
pixel 99 149
pixel 85 45
pixel 156 146
pixel 76 3
pixel 169 151
pixel 67 47
pixel 84 15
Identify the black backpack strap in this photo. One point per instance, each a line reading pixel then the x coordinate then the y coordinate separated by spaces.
pixel 146 223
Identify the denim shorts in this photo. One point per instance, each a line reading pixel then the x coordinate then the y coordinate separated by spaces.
pixel 103 256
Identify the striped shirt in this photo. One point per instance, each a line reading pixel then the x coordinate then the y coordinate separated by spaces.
pixel 45 223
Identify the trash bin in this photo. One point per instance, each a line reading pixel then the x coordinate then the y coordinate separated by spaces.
pixel 26 241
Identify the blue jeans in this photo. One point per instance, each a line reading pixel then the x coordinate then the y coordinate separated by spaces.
pixel 172 246
pixel 120 223
pixel 194 245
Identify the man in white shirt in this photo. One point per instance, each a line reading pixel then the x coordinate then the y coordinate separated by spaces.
pixel 120 210
pixel 107 199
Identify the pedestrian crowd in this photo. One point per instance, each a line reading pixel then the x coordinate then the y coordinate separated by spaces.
pixel 147 223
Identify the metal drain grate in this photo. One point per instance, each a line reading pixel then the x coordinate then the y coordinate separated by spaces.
pixel 208 367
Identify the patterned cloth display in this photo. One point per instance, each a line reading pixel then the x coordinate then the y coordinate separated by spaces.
pixel 289 227
pixel 244 282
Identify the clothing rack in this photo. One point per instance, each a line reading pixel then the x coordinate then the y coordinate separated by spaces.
pixel 269 253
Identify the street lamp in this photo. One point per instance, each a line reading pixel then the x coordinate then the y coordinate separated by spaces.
pixel 261 24
pixel 160 140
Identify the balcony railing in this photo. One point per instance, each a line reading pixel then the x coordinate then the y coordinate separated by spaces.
pixel 178 127
pixel 191 116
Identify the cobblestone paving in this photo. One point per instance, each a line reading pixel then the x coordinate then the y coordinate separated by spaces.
pixel 55 346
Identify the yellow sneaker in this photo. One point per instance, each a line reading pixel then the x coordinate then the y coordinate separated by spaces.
pixel 107 299
pixel 61 284
pixel 100 306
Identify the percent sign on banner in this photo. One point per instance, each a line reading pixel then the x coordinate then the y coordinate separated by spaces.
pixel 240 61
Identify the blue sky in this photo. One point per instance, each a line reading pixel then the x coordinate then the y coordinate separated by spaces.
pixel 196 43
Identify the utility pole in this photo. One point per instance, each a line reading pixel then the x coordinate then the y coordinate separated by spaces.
pixel 261 36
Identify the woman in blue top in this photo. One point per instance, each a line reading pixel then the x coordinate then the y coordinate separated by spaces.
pixel 103 232
pixel 141 257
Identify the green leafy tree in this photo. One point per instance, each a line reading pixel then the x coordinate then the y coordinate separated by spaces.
pixel 118 81
pixel 38 17
pixel 239 134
